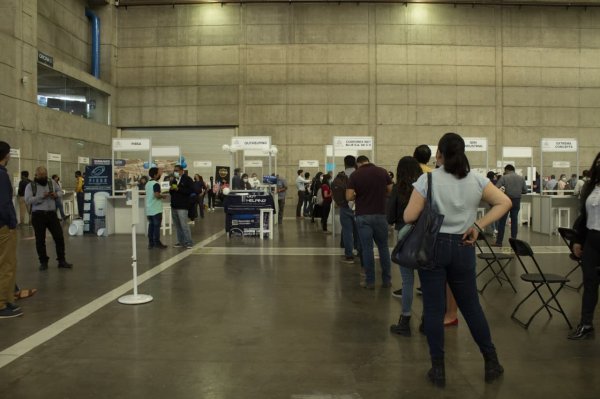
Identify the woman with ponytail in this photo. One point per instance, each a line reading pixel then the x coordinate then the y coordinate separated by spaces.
pixel 456 194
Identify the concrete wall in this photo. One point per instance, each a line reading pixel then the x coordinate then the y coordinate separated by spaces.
pixel 60 29
pixel 303 73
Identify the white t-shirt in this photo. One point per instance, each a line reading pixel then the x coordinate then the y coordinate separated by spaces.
pixel 456 199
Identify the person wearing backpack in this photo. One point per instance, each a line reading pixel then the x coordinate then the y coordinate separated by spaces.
pixel 314 190
pixel 41 195
pixel 339 186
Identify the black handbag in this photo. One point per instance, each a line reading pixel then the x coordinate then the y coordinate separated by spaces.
pixel 416 243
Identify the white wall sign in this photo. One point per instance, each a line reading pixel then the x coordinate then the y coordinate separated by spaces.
pixel 476 144
pixel 253 163
pixel 251 143
pixel 329 151
pixel 561 164
pixel 15 153
pixel 256 153
pixel 131 144
pixel 308 163
pixel 54 157
pixel 559 145
pixel 166 151
pixel 352 143
pixel 202 164
pixel 83 160
pixel 517 152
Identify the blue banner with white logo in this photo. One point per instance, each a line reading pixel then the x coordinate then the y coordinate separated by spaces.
pixel 98 187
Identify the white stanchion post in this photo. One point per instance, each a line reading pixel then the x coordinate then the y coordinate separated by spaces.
pixel 136 298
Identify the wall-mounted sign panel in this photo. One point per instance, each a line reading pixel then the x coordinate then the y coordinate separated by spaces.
pixel 253 163
pixel 559 145
pixel 54 157
pixel 353 143
pixel 131 144
pixel 340 153
pixel 15 153
pixel 476 144
pixel 251 143
pixel 308 163
pixel 202 164
pixel 83 160
pixel 45 59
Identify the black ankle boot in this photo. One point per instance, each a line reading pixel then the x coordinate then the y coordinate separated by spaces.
pixel 493 368
pixel 403 326
pixel 583 331
pixel 437 373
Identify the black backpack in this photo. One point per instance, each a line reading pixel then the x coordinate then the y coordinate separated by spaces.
pixel 34 187
pixel 338 189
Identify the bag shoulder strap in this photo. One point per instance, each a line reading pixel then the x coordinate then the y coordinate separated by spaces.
pixel 429 179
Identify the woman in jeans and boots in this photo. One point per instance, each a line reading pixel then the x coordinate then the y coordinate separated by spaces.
pixel 407 173
pixel 587 248
pixel 456 194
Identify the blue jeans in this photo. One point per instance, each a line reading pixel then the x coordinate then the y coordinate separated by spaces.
pixel 60 207
pixel 180 220
pixel 408 286
pixel 374 228
pixel 154 223
pixel 455 264
pixel 514 221
pixel 348 230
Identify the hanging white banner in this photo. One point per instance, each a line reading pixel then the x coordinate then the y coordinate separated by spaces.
pixel 308 163
pixel 202 164
pixel 165 151
pixel 54 157
pixel 559 145
pixel 561 164
pixel 83 160
pixel 517 152
pixel 131 144
pixel 253 163
pixel 329 151
pixel 15 153
pixel 251 143
pixel 476 144
pixel 256 153
pixel 342 143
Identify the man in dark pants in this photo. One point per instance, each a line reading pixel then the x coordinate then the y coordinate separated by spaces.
pixel 514 187
pixel 41 195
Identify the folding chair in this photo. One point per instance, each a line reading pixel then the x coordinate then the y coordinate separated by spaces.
pixel 492 258
pixel 568 236
pixel 538 280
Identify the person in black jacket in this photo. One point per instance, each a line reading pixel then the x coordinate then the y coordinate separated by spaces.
pixel 8 239
pixel 182 187
pixel 23 208
pixel 587 248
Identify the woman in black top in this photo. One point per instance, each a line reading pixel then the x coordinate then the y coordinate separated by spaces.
pixel 587 248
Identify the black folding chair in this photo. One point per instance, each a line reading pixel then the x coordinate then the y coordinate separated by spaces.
pixel 495 262
pixel 568 236
pixel 538 280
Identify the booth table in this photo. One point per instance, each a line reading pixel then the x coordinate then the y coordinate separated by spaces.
pixel 118 215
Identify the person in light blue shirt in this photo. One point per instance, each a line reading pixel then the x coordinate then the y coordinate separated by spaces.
pixel 154 209
pixel 456 194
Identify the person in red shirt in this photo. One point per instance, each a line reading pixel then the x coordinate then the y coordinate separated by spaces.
pixel 326 207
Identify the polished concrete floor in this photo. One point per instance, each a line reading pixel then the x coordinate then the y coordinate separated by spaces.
pixel 245 318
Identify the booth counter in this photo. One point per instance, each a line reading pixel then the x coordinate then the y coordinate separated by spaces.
pixel 544 210
pixel 118 215
pixel 242 211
